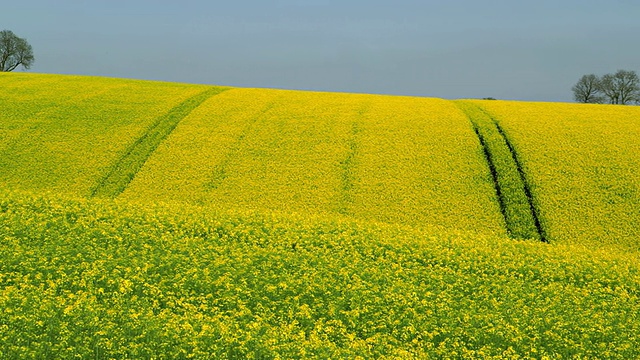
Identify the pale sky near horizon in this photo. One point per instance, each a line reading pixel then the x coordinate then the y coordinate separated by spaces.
pixel 521 50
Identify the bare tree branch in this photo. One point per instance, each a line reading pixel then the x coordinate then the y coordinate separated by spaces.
pixel 14 51
pixel 587 90
pixel 623 87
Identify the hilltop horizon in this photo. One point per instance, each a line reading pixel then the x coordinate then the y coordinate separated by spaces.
pixel 527 51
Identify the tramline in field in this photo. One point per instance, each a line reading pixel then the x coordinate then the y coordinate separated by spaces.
pixel 141 218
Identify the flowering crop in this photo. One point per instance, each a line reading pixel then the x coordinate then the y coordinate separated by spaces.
pixel 418 161
pixel 87 279
pixel 381 158
pixel 510 185
pixel 123 171
pixel 64 133
pixel 283 224
pixel 584 167
pixel 391 159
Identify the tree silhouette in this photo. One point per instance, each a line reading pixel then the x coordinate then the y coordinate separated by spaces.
pixel 14 51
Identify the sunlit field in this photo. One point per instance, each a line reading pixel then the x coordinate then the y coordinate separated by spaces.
pixel 584 164
pixel 63 133
pixel 388 159
pixel 144 219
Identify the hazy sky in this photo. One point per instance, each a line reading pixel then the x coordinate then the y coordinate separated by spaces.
pixel 508 49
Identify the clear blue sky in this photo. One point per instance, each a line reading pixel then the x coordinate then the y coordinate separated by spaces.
pixel 508 49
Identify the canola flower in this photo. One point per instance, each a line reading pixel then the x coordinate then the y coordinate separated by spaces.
pixel 330 226
pixel 583 164
pixel 122 172
pixel 63 133
pixel 98 279
pixel 516 203
pixel 380 158
pixel 418 161
pixel 391 159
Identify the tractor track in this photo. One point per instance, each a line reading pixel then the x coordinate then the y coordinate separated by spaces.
pixel 116 180
pixel 512 188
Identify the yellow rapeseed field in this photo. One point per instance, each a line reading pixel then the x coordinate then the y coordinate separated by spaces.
pixel 62 133
pixel 98 279
pixel 583 162
pixel 144 219
pixel 391 159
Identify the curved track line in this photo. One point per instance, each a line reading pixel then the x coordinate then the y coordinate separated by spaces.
pixel 219 171
pixel 523 177
pixel 512 189
pixel 347 165
pixel 124 170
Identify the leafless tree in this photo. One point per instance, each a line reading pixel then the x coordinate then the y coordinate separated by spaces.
pixel 14 51
pixel 587 90
pixel 623 87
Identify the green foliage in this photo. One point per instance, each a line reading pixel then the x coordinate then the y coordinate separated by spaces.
pixel 509 180
pixel 14 51
pixel 86 279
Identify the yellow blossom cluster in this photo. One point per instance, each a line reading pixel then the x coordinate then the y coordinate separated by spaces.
pixel 381 158
pixel 583 163
pixel 64 133
pixel 104 279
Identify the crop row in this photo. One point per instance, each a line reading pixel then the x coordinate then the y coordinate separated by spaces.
pixel 511 187
pixel 583 165
pixel 64 133
pixel 123 171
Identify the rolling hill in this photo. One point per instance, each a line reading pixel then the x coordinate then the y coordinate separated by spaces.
pixel 145 219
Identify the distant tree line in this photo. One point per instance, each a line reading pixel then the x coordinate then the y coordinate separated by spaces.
pixel 622 88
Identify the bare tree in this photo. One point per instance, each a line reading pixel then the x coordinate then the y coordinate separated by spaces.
pixel 623 87
pixel 14 51
pixel 587 90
